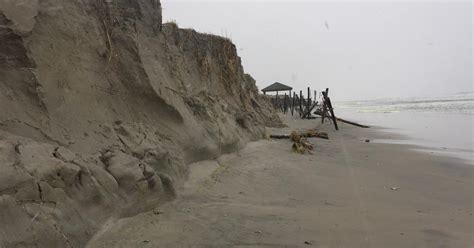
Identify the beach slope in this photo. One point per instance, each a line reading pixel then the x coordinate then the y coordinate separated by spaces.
pixel 349 193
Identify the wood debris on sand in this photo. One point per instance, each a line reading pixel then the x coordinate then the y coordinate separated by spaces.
pixel 300 142
pixel 307 134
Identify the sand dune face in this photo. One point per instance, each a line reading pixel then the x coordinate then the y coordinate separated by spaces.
pixel 102 107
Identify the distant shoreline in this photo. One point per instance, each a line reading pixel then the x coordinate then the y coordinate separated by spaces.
pixel 438 126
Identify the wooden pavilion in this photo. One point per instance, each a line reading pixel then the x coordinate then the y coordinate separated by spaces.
pixel 277 87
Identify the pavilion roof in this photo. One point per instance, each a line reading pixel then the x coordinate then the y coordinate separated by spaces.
pixel 277 87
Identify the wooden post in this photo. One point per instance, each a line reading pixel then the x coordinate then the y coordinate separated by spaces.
pixel 327 96
pixel 308 103
pixel 297 100
pixel 293 103
pixel 301 102
pixel 277 101
pixel 308 111
pixel 323 114
pixel 315 96
pixel 324 105
pixel 284 104
pixel 332 113
pixel 288 103
pixel 289 99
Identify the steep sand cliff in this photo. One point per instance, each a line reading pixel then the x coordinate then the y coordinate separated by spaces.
pixel 102 107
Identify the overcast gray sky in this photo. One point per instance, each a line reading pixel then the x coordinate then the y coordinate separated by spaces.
pixel 360 50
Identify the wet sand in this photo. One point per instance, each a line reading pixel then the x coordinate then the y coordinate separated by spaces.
pixel 447 133
pixel 349 193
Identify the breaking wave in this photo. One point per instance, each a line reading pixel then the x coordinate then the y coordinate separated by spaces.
pixel 458 103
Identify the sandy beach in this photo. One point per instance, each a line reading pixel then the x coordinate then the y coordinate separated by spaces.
pixel 137 124
pixel 348 193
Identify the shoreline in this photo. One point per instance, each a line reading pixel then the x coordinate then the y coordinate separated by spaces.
pixel 390 136
pixel 349 193
pixel 427 132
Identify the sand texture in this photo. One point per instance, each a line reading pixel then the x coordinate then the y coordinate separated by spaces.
pixel 349 193
pixel 102 107
pixel 117 130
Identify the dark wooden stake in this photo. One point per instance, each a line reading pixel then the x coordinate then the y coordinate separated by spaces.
pixel 293 103
pixel 301 103
pixel 277 101
pixel 325 94
pixel 323 114
pixel 307 113
pixel 308 103
pixel 332 114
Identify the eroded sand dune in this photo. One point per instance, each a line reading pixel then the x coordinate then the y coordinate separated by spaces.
pixel 102 107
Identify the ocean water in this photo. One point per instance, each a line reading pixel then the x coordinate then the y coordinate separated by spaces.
pixel 440 125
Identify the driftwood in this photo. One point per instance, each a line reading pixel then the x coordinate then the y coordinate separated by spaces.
pixel 300 144
pixel 306 134
pixel 343 120
pixel 352 123
pixel 279 136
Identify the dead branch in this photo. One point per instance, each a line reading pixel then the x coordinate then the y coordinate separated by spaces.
pixel 306 134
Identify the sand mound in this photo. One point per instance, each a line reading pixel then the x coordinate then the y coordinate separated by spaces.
pixel 102 108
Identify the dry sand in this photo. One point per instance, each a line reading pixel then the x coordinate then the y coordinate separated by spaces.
pixel 102 107
pixel 349 193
